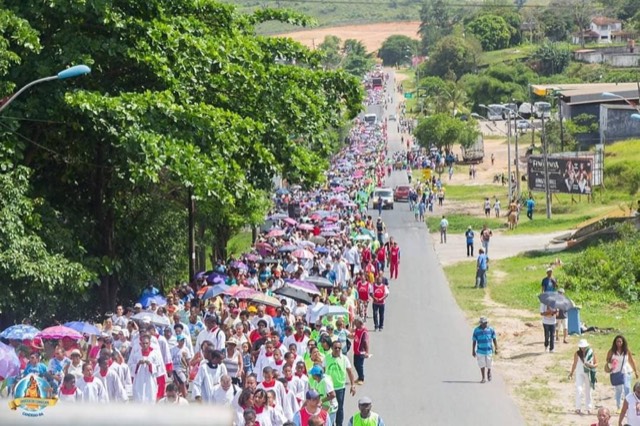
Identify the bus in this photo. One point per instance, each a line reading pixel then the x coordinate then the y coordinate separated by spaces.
pixel 494 112
pixel 370 119
pixel 542 109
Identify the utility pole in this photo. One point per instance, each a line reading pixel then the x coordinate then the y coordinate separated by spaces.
pixel 192 244
pixel 561 123
pixel 509 159
pixel 515 125
pixel 545 154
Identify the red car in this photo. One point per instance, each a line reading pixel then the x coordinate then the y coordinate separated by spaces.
pixel 401 193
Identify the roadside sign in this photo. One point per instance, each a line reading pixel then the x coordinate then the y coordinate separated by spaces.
pixel 408 95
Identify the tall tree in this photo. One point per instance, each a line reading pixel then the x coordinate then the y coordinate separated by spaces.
pixel 492 31
pixel 331 49
pixel 437 20
pixel 397 49
pixel 453 55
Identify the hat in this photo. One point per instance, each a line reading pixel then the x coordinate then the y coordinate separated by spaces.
pixel 583 343
pixel 252 309
pixel 365 400
pixel 180 337
pixel 153 302
pixel 311 394
pixel 76 352
pixel 561 290
pixel 232 341
pixel 469 227
pixel 138 305
pixel 316 371
pixel 483 320
pixel 549 269
pixel 116 329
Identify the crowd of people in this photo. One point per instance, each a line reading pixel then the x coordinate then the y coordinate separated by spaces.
pixel 268 334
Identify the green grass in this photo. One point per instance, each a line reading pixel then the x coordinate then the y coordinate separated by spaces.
pixel 511 54
pixel 239 243
pixel 332 14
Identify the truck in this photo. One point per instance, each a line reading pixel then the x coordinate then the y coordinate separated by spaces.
pixel 370 119
pixel 475 153
pixel 542 109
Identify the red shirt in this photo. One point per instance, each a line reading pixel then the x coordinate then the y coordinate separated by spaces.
pixel 360 335
pixel 379 291
pixel 395 254
pixel 363 290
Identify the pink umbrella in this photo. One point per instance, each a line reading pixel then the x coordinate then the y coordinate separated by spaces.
pixel 59 332
pixel 289 221
pixel 339 189
pixel 275 233
pixel 264 249
pixel 305 227
pixel 235 289
pixel 247 293
pixel 302 254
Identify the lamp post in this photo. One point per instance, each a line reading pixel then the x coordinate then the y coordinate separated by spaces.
pixel 613 95
pixel 508 153
pixel 72 72
pixel 545 159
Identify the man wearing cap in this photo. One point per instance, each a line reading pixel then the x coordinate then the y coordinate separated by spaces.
pixel 469 235
pixel 366 417
pixel 323 384
pixel 484 346
pixel 137 308
pixel 549 283
pixel 311 408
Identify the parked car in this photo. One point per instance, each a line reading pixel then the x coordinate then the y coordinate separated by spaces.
pixel 523 125
pixel 392 117
pixel 401 193
pixel 386 194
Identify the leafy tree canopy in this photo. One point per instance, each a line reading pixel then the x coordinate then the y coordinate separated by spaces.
pixel 397 49
pixel 443 131
pixel 453 56
pixel 492 31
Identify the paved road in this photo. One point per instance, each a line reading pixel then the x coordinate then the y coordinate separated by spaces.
pixel 422 372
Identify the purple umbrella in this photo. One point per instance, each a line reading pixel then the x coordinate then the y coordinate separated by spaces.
pixel 305 286
pixel 216 278
pixel 239 265
pixel 9 362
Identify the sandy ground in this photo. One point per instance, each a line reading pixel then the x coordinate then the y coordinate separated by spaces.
pixel 536 380
pixel 371 35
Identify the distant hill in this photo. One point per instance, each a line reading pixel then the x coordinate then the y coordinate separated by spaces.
pixel 330 13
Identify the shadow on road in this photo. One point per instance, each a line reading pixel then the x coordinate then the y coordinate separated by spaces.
pixel 455 382
pixel 525 355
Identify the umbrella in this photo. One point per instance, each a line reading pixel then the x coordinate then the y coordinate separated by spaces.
pixel 264 249
pixel 216 278
pixel 251 257
pixel 362 237
pixel 322 250
pixel 239 265
pixel 265 299
pixel 200 275
pixel 305 286
pixel 319 282
pixel 287 248
pixel 295 294
pixel 556 300
pixel 318 240
pixel 289 221
pixel 275 233
pixel 333 310
pixel 305 227
pixel 59 332
pixel 9 362
pixel 282 191
pixel 329 234
pixel 213 291
pixel 19 332
pixel 268 260
pixel 145 301
pixel 83 327
pixel 152 318
pixel 278 216
pixel 306 244
pixel 339 189
pixel 245 293
pixel 302 254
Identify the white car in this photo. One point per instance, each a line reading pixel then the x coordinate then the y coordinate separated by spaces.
pixel 386 194
pixel 523 125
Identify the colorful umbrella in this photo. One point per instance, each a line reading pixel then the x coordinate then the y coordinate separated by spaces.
pixel 9 362
pixel 146 301
pixel 59 332
pixel 295 294
pixel 305 227
pixel 246 293
pixel 287 248
pixel 275 233
pixel 362 237
pixel 302 254
pixel 251 257
pixel 305 286
pixel 213 291
pixel 234 290
pixel 322 250
pixel 289 221
pixel 19 332
pixel 83 327
pixel 216 278
pixel 239 265
pixel 152 318
pixel 320 282
pixel 265 299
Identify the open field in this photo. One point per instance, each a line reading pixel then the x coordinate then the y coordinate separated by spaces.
pixel 372 35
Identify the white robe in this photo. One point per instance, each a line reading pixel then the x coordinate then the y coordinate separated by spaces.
pixel 301 347
pixel 93 392
pixel 113 385
pixel 279 390
pixel 206 380
pixel 290 406
pixel 74 397
pixel 145 385
pixel 299 386
pixel 262 362
pixel 225 397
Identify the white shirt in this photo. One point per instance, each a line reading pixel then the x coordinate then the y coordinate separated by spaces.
pixel 549 320
pixel 266 318
pixel 225 397
pixel 217 337
pixel 179 401
pixel 93 391
pixel 206 380
pixel 633 412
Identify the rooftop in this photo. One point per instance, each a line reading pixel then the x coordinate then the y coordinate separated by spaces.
pixel 603 20
pixel 583 93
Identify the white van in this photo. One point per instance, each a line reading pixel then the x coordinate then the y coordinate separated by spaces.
pixel 370 119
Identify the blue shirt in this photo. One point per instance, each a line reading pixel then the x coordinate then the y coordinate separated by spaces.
pixel 39 369
pixel 549 284
pixel 530 204
pixel 469 234
pixel 484 340
pixel 482 262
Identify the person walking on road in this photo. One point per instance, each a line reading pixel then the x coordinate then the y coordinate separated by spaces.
pixel 562 323
pixel 631 401
pixel 444 224
pixel 485 237
pixel 549 324
pixel 360 348
pixel 366 417
pixel 484 345
pixel 394 260
pixel 338 367
pixel 469 235
pixel 380 229
pixel 620 362
pixel 482 265
pixel 584 367
pixel 380 294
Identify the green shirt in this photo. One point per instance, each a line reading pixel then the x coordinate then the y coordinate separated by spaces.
pixel 336 368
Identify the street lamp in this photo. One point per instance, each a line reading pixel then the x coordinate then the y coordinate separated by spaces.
pixel 613 95
pixel 508 150
pixel 72 72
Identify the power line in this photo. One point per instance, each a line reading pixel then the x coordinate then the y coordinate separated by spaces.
pixel 418 3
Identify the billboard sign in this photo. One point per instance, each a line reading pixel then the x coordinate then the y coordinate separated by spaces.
pixel 568 175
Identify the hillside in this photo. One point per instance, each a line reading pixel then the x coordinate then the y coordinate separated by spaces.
pixel 350 12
